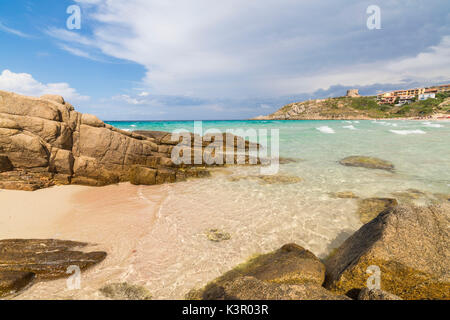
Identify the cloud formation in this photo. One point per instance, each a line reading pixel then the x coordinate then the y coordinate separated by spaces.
pixel 24 83
pixel 268 48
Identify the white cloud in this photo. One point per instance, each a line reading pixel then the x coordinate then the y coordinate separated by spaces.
pixel 245 49
pixel 24 83
pixel 431 65
pixel 13 31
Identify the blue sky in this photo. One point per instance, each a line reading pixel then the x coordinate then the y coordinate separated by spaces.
pixel 203 59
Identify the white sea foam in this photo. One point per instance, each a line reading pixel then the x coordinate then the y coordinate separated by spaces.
pixel 351 127
pixel 406 132
pixel 133 125
pixel 325 129
pixel 432 125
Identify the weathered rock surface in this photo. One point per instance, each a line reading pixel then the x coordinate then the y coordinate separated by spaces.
pixel 44 141
pixel 12 282
pixel 250 288
pixel 5 164
pixel 370 208
pixel 376 294
pixel 410 245
pixel 125 291
pixel 367 162
pixel 289 265
pixel 21 260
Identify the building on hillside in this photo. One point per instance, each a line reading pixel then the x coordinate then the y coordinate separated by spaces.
pixel 404 95
pixel 353 93
pixel 442 88
pixel 405 99
pixel 427 95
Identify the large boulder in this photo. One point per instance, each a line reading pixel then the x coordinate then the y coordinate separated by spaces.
pixel 250 288
pixel 367 162
pixel 46 138
pixel 410 246
pixel 290 265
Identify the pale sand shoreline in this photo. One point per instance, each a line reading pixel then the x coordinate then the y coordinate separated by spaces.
pixel 101 216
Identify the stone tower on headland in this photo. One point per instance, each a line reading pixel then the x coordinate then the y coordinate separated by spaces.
pixel 353 93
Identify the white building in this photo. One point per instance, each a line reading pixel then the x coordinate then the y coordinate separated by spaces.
pixel 425 96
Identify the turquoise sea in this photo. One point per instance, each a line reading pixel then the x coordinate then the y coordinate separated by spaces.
pixel 174 254
pixel 420 150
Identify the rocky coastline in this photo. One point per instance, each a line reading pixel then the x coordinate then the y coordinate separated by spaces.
pixel 45 142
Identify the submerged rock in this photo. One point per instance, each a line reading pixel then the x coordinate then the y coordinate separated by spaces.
pixel 367 162
pixel 45 259
pixel 125 291
pixel 250 288
pixel 269 179
pixel 216 235
pixel 12 282
pixel 410 246
pixel 376 294
pixel 369 208
pixel 344 195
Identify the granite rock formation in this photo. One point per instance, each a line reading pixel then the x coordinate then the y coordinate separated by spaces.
pixel 410 246
pixel 44 141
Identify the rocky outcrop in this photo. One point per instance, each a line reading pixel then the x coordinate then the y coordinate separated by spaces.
pixel 367 162
pixel 23 261
pixel 44 141
pixel 250 288
pixel 290 272
pixel 410 246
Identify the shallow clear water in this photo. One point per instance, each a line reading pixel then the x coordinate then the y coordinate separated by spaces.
pixel 420 150
pixel 155 235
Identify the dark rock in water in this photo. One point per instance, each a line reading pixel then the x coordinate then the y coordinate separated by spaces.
pixel 269 179
pixel 344 195
pixel 410 246
pixel 46 259
pixel 250 288
pixel 12 282
pixel 125 291
pixel 291 264
pixel 5 164
pixel 367 162
pixel 369 208
pixel 376 294
pixel 216 235
pixel 283 160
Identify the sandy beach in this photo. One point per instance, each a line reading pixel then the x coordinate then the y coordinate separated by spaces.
pixel 109 218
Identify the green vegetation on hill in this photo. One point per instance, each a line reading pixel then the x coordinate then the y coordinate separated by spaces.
pixel 363 107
